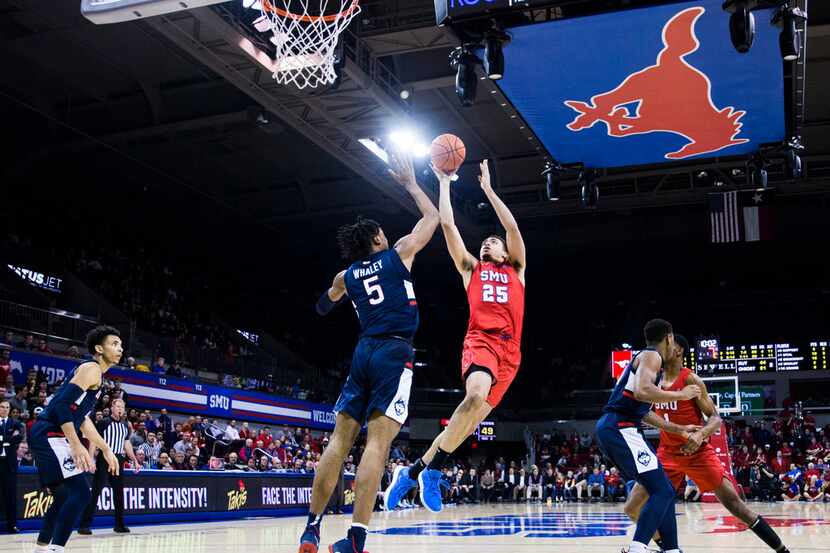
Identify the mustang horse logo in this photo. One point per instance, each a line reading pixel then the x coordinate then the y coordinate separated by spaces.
pixel 670 96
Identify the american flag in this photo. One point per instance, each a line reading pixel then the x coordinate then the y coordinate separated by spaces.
pixel 742 215
pixel 723 217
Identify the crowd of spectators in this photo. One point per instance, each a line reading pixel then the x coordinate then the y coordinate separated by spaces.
pixel 786 458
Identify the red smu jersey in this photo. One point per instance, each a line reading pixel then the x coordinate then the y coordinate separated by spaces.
pixel 681 412
pixel 497 300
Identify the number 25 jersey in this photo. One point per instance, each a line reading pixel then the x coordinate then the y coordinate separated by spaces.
pixel 497 300
pixel 381 290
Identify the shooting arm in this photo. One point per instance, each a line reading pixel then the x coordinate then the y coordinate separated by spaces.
pixel 422 233
pixel 464 260
pixel 515 242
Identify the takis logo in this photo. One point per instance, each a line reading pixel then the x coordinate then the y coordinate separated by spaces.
pixel 36 504
pixel 237 498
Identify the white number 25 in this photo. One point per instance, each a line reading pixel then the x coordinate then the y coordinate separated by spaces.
pixel 496 294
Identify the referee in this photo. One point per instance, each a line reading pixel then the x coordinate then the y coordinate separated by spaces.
pixel 115 432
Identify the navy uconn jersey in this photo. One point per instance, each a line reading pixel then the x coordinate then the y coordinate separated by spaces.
pixel 381 291
pixel 622 401
pixel 82 407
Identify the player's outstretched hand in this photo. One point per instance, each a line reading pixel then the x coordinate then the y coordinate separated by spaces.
pixel 442 177
pixel 691 391
pixel 401 169
pixel 81 457
pixel 112 461
pixel 693 443
pixel 484 177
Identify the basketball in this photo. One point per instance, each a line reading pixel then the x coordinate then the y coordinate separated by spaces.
pixel 448 153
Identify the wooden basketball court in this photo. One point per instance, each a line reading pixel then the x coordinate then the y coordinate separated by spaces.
pixel 565 528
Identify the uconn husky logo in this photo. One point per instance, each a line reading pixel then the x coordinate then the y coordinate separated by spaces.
pixel 68 464
pixel 644 458
pixel 400 407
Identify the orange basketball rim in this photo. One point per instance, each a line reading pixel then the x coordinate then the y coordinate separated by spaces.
pixel 268 7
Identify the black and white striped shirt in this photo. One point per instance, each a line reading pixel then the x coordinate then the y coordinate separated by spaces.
pixel 115 433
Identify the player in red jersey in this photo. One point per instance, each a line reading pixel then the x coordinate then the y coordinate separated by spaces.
pixel 689 453
pixel 495 284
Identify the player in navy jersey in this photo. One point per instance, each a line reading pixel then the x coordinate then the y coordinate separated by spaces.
pixel 379 285
pixel 620 438
pixel 60 456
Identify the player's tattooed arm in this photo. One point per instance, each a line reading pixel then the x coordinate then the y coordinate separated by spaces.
pixel 709 410
pixel 464 261
pixel 515 242
pixel 646 390
pixel 332 297
pixel 655 420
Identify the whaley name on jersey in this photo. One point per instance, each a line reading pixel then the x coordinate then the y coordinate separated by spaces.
pixel 372 268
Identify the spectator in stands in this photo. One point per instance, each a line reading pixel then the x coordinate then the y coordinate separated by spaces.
pixel 73 352
pixel 24 456
pixel 549 485
pixel 179 462
pixel 582 484
pixel 615 485
pixel 534 483
pixel 231 433
pixel 814 490
pixel 596 483
pixel 488 485
pixel 264 464
pixel 521 485
pixel 232 462
pixel 151 448
pixel 43 347
pixel 8 338
pixel 160 366
pixel 5 366
pixel 247 450
pixel 28 343
pixel 18 400
pixel 193 463
pixel 791 491
pixel 141 458
pixel 138 437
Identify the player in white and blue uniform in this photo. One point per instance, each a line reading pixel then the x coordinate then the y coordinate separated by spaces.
pixel 60 456
pixel 621 440
pixel 379 284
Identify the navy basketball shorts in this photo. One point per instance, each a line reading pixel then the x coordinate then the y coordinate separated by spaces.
pixel 379 380
pixel 623 443
pixel 52 455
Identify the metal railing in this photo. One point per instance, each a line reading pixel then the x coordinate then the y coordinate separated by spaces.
pixel 49 324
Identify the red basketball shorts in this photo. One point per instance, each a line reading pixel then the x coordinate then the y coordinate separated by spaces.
pixel 500 356
pixel 703 467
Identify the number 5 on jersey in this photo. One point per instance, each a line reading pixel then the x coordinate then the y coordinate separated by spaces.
pixel 373 290
pixel 494 294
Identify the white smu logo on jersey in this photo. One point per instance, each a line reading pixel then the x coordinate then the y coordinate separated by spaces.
pixel 494 276
pixel 670 406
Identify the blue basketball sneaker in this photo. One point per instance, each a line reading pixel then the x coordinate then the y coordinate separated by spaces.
pixel 398 488
pixel 310 540
pixel 430 482
pixel 344 546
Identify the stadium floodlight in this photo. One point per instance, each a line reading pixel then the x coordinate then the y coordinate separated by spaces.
pixel 407 141
pixel 789 41
pixel 741 23
pixel 466 81
pixel 553 187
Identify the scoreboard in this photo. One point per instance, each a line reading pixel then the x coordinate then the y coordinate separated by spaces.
pixel 486 431
pixel 711 358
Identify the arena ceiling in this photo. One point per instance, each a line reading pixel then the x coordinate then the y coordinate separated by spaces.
pixel 180 101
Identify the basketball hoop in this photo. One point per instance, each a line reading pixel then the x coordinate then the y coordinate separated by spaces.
pixel 305 35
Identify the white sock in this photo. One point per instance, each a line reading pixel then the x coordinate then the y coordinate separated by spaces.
pixel 673 551
pixel 637 547
pixel 358 525
pixel 55 548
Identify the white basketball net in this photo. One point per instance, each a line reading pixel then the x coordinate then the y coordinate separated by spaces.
pixel 306 40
